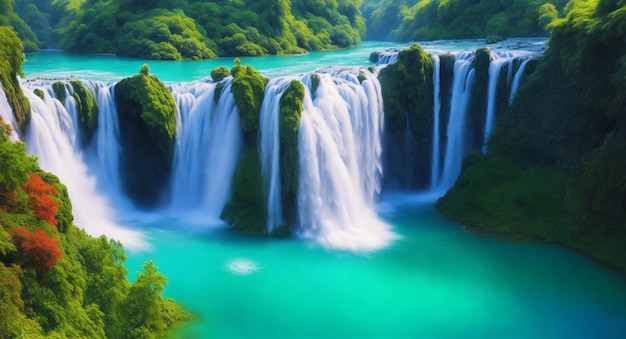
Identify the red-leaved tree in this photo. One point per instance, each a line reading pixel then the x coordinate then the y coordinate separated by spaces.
pixel 44 207
pixel 35 248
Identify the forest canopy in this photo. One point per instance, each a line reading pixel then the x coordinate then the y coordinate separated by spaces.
pixel 187 29
pixel 407 20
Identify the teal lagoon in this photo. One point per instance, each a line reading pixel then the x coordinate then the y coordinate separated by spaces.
pixel 436 281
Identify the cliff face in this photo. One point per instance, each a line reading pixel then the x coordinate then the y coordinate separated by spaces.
pixel 552 168
pixel 147 116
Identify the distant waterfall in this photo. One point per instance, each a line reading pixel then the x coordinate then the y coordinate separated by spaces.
pixel 208 144
pixel 454 143
pixel 340 166
pixel 434 172
pixel 518 78
pixel 455 146
pixel 51 137
pixel 499 62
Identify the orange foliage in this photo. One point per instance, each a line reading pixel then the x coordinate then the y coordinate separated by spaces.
pixel 44 207
pixel 36 248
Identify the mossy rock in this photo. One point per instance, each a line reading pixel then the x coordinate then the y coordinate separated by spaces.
pixel 147 117
pixel 218 74
pixel 38 93
pixel 87 110
pixel 407 88
pixel 248 88
pixel 12 56
pixel 246 211
pixel 290 112
pixel 59 91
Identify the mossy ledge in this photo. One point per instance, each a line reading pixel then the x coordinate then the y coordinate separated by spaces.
pixel 147 118
pixel 87 109
pixel 290 113
pixel 11 59
pixel 247 209
pixel 407 151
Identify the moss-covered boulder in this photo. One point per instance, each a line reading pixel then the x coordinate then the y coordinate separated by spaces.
pixel 290 113
pixel 248 88
pixel 87 110
pixel 11 59
pixel 407 88
pixel 147 118
pixel 59 91
pixel 218 74
pixel 246 211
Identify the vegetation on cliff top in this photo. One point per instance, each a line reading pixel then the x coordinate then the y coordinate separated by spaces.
pixel 415 20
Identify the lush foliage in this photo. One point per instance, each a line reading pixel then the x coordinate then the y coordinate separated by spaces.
pixel 408 150
pixel 57 281
pixel 40 199
pixel 408 20
pixel 35 249
pixel 11 58
pixel 147 117
pixel 9 18
pixel 188 29
pixel 563 120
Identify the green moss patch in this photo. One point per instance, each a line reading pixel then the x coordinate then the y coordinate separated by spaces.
pixel 247 210
pixel 87 109
pixel 147 116
pixel 407 88
pixel 290 113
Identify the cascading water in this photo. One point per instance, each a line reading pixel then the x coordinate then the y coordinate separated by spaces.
pixel 518 78
pixel 340 166
pixel 6 112
pixel 455 146
pixel 51 138
pixel 434 172
pixel 269 147
pixel 498 63
pixel 208 145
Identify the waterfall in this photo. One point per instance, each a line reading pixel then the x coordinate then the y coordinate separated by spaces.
pixel 50 137
pixel 434 172
pixel 455 148
pixel 208 145
pixel 518 78
pixel 107 139
pixel 269 148
pixel 6 112
pixel 512 82
pixel 340 166
pixel 495 67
